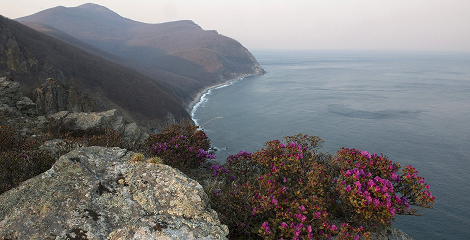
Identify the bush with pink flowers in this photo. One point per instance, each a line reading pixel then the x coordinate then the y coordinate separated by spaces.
pixel 183 146
pixel 291 190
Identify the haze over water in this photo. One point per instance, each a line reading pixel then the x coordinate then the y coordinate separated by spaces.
pixel 413 107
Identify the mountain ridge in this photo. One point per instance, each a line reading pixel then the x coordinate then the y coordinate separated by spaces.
pixel 30 57
pixel 180 47
pixel 150 72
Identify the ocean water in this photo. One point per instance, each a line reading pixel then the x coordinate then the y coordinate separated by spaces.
pixel 413 107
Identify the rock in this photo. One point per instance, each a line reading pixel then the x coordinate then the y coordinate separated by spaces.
pixel 27 106
pixel 132 133
pixel 86 121
pixel 105 119
pixel 12 101
pixel 390 234
pixel 58 147
pixel 98 193
pixel 10 92
pixel 55 96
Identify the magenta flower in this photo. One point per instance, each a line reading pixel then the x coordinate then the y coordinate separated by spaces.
pixel 265 225
pixel 284 225
pixel 301 217
pixel 365 154
pixel 333 227
pixel 302 208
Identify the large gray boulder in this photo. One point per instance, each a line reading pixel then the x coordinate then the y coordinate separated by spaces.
pixel 100 193
pixel 95 120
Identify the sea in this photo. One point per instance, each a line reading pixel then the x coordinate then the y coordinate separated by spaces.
pixel 413 107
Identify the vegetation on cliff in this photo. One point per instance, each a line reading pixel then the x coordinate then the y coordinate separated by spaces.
pixel 287 190
pixel 290 190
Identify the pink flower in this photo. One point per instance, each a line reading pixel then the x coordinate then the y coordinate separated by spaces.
pixel 284 225
pixel 302 208
pixel 333 227
pixel 265 225
pixel 274 201
pixel 365 154
pixel 301 217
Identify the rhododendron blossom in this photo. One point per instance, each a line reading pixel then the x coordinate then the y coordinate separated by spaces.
pixel 291 191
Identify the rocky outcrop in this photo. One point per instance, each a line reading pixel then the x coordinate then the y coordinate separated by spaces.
pixel 390 234
pixel 12 100
pixel 22 113
pixel 101 120
pixel 100 193
pixel 55 96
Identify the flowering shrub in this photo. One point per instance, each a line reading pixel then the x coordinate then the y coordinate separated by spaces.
pixel 292 191
pixel 182 146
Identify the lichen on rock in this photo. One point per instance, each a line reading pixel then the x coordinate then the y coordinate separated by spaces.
pixel 99 193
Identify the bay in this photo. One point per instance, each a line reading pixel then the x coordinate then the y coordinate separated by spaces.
pixel 414 107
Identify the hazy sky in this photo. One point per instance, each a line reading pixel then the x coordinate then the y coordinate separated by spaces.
pixel 435 25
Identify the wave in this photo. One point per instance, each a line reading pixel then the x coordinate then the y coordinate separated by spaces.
pixel 204 96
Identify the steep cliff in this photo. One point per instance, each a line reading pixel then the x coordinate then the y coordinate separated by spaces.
pixel 182 48
pixel 55 96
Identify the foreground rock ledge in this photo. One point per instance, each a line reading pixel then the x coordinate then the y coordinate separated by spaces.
pixel 99 193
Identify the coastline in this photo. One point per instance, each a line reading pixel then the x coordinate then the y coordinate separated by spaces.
pixel 192 106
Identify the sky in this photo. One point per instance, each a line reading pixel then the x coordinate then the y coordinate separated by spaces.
pixel 397 25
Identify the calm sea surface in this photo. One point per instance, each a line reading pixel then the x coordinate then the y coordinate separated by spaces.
pixel 412 107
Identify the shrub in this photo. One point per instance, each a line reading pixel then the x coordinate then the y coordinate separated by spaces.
pixel 290 190
pixel 20 158
pixel 155 160
pixel 105 137
pixel 138 157
pixel 182 146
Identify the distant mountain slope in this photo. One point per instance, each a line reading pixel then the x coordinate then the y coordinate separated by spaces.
pixel 182 86
pixel 182 48
pixel 30 57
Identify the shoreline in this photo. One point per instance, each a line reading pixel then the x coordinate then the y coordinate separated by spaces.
pixel 190 108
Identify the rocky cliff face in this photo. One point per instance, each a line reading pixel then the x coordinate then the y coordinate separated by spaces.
pixel 55 96
pixel 17 60
pixel 28 117
pixel 12 101
pixel 100 193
